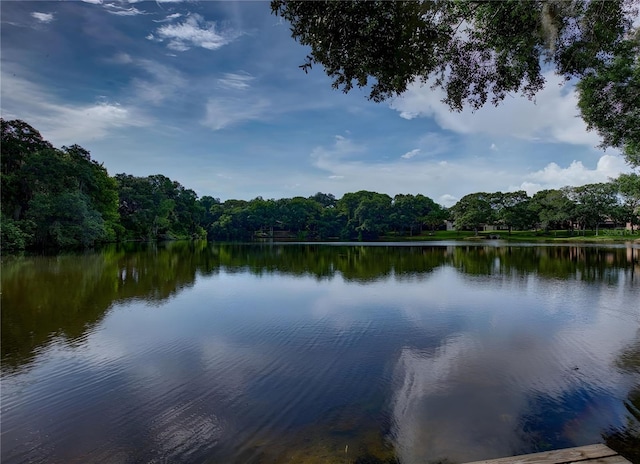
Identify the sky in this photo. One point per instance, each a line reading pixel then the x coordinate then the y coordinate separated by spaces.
pixel 210 94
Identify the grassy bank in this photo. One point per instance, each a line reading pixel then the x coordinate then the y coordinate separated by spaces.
pixel 558 236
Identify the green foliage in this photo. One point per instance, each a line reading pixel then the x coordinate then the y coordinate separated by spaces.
pixel 389 44
pixel 472 211
pixel 65 220
pixel 414 212
pixel 585 206
pixel 366 214
pixel 18 140
pixel 331 224
pixel 478 51
pixel 62 198
pixel 12 235
pixel 513 210
pixel 359 215
pixel 326 200
pixel 57 198
pixel 609 99
pixel 553 209
pixel 628 186
pixel 593 203
pixel 157 208
pixel 93 179
pixel 372 216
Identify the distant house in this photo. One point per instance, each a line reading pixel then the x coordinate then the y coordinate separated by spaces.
pixel 482 227
pixel 492 227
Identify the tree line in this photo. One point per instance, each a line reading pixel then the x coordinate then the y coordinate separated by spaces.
pixel 615 203
pixel 61 198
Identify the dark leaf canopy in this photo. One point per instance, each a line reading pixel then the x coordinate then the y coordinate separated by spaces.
pixel 480 51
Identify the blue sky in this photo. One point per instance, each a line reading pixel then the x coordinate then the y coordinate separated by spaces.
pixel 210 94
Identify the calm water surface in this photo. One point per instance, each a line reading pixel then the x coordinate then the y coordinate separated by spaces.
pixel 318 353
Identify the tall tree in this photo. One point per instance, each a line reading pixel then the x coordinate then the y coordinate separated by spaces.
pixel 156 207
pixel 553 208
pixel 17 141
pixel 629 188
pixel 372 216
pixel 512 210
pixel 347 206
pixel 479 51
pixel 301 215
pixel 594 203
pixel 472 211
pixel 65 220
pixel 264 215
pixel 413 211
pixel 92 179
pixel 233 221
pixel 436 216
pixel 54 197
pixel 327 200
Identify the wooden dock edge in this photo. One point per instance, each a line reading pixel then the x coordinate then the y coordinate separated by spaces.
pixel 590 454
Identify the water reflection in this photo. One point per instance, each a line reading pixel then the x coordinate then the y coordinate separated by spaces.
pixel 240 353
pixel 626 438
pixel 505 387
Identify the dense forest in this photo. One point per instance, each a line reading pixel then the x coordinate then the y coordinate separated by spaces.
pixel 61 198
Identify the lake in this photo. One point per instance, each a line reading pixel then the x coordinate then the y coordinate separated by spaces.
pixel 309 353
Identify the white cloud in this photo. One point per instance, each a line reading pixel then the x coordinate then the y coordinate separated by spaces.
pixel 554 117
pixel 493 147
pixel 235 81
pixel 330 158
pixel 42 17
pixel 444 181
pixel 121 58
pixel 164 84
pixel 411 154
pixel 121 11
pixel 194 31
pixel 433 143
pixel 553 176
pixel 437 179
pixel 170 17
pixel 94 2
pixel 177 46
pixel 64 124
pixel 223 112
pixel 447 200
pixel 89 122
pixel 449 181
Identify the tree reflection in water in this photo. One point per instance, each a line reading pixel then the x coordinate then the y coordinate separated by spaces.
pixel 62 300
